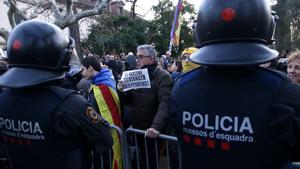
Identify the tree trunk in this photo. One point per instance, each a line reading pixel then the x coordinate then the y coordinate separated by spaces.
pixel 283 32
pixel 133 14
pixel 103 48
pixel 295 4
pixel 74 33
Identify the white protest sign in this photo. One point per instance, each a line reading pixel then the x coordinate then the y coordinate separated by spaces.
pixel 135 79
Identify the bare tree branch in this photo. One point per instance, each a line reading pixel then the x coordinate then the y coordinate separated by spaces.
pixel 69 7
pixel 71 19
pixel 55 10
pixel 62 18
pixel 44 5
pixel 11 17
pixel 12 4
pixel 12 11
pixel 132 9
pixel 133 14
pixel 98 9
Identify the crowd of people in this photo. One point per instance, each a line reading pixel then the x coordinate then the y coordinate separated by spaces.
pixel 230 101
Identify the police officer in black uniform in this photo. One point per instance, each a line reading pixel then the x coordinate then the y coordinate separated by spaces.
pixel 235 114
pixel 44 126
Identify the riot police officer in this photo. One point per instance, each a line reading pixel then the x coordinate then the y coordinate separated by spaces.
pixel 42 125
pixel 235 114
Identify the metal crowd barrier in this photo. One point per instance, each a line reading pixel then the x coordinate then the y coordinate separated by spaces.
pixel 106 158
pixel 130 150
pixel 137 151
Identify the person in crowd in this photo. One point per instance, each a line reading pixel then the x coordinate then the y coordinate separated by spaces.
pixel 130 62
pixel 230 112
pixel 171 129
pixel 273 64
pixel 266 65
pixel 293 68
pixel 170 66
pixel 108 58
pixel 187 65
pixel 83 86
pixel 104 98
pixel 284 54
pixel 160 63
pixel 116 66
pixel 149 105
pixel 282 61
pixel 122 56
pixel 41 124
pixel 176 69
pixel 167 59
pixel 72 78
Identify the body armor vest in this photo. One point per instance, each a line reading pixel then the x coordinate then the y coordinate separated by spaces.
pixel 26 120
pixel 229 119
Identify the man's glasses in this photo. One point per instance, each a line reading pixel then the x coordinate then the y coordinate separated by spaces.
pixel 140 57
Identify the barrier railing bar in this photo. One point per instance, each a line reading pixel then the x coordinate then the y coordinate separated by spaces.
pixel 146 151
pixel 123 146
pixel 162 136
pixel 167 138
pixel 137 151
pixel 179 155
pixel 156 153
pixel 125 154
pixel 102 162
pixel 168 154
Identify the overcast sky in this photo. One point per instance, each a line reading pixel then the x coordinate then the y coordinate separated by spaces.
pixel 144 6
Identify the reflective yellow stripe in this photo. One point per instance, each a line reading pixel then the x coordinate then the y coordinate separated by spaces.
pixel 116 98
pixel 103 108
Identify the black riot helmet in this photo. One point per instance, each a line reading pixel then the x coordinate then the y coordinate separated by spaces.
pixel 234 33
pixel 37 52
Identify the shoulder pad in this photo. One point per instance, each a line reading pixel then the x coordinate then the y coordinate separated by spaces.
pixel 271 78
pixel 191 75
pixel 187 77
pixel 59 92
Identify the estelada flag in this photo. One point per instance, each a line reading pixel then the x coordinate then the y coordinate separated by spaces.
pixel 175 32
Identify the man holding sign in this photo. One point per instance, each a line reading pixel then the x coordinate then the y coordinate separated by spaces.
pixel 149 105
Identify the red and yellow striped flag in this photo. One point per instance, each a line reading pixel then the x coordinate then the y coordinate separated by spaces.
pixel 109 107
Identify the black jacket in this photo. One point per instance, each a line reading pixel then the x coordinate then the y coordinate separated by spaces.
pixel 50 127
pixel 149 106
pixel 236 118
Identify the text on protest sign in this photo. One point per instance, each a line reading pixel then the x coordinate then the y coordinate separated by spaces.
pixel 135 79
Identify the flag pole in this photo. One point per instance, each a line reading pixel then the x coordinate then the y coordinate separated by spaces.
pixel 175 25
